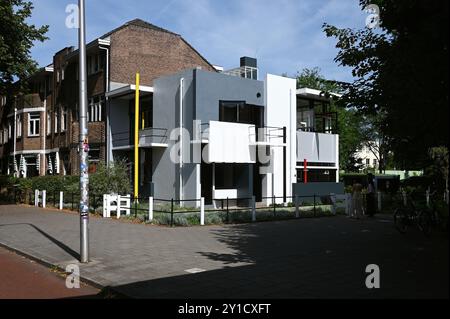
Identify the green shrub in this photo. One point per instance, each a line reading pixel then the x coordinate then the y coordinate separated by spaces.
pixel 114 179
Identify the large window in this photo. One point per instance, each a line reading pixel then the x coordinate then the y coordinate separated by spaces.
pixel 230 176
pixel 317 176
pixel 240 112
pixel 316 116
pixel 95 63
pixel 34 124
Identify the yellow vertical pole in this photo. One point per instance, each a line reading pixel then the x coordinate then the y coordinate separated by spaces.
pixel 136 139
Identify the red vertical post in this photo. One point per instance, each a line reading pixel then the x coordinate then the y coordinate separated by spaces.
pixel 305 171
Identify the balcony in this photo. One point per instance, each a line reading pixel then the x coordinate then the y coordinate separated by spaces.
pixel 317 147
pixel 153 138
pixel 236 142
pixel 148 138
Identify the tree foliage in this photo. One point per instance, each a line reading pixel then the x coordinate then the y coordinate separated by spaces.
pixel 16 40
pixel 401 72
pixel 439 166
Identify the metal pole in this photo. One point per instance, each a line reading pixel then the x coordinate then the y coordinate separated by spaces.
pixel 136 139
pixel 84 143
pixel 14 142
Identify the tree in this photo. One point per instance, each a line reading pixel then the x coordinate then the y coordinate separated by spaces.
pixel 401 72
pixel 16 41
pixel 350 123
pixel 440 166
pixel 375 140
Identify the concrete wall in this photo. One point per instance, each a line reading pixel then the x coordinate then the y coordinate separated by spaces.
pixel 319 189
pixel 214 87
pixel 281 111
pixel 201 95
pixel 166 110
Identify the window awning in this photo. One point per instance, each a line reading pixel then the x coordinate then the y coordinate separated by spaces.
pixel 128 91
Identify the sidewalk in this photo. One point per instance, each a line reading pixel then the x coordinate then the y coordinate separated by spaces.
pixel 311 258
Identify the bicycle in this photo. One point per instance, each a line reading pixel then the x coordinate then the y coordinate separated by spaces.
pixel 411 215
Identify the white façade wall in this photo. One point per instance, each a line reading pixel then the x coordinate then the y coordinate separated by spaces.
pixel 231 143
pixel 281 111
pixel 317 148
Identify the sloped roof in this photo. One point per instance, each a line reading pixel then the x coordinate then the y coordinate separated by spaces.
pixel 139 23
pixel 144 24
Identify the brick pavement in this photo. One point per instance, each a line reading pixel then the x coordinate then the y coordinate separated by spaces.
pixel 308 258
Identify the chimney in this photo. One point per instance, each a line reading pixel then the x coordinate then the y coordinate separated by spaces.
pixel 249 67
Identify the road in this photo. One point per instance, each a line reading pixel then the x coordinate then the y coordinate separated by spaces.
pixel 21 278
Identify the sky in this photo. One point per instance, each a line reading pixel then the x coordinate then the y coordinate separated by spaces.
pixel 285 36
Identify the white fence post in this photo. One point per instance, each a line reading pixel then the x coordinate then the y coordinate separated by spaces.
pixel 150 209
pixel 253 209
pixel 36 197
pixel 44 199
pixel 446 196
pixel 405 199
pixel 105 206
pixel 428 198
pixel 61 200
pixel 380 197
pixel 202 211
pixel 297 207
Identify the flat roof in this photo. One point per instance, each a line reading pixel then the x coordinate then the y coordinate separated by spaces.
pixel 127 90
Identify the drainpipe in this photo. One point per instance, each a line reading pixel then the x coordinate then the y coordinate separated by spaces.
pixel 14 136
pixel 107 106
pixel 44 133
pixel 181 138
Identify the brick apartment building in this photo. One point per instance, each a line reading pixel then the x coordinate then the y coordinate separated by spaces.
pixel 39 130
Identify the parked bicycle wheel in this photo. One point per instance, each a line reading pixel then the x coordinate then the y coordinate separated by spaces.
pixel 401 219
pixel 425 222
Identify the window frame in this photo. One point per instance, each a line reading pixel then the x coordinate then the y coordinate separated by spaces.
pixel 34 124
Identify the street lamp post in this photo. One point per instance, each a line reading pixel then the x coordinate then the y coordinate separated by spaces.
pixel 84 142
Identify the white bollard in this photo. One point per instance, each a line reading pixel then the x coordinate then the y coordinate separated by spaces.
pixel 36 197
pixel 380 197
pixel 44 199
pixel 297 207
pixel 202 211
pixel 150 209
pixel 253 209
pixel 61 200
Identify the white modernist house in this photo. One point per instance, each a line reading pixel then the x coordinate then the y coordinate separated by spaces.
pixel 222 135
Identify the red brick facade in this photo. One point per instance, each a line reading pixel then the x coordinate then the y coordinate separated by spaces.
pixel 134 47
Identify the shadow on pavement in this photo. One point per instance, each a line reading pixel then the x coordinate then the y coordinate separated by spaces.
pixel 61 245
pixel 315 259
